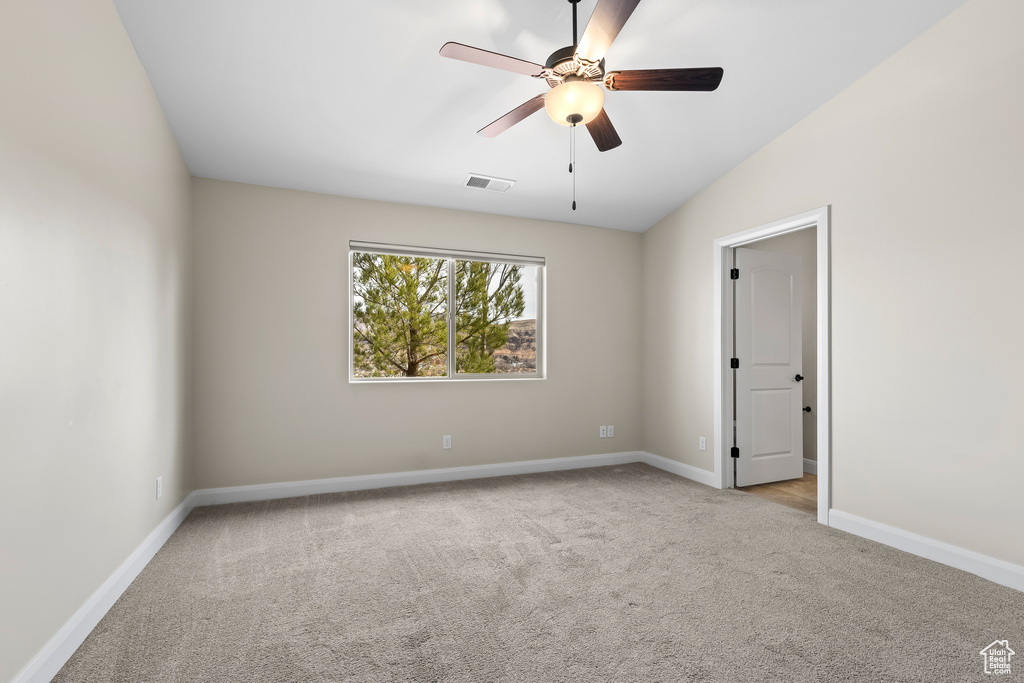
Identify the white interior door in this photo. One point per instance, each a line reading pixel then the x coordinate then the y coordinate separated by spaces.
pixel 769 396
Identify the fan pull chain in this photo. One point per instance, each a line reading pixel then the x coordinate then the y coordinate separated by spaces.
pixel 572 163
pixel 570 152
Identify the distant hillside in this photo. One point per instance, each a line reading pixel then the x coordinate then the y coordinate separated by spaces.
pixel 520 352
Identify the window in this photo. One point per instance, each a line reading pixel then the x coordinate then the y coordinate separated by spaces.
pixel 421 313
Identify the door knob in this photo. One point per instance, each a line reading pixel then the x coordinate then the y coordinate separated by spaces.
pixel 799 378
pixel 807 409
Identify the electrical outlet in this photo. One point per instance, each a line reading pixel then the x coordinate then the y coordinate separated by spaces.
pixel 703 442
pixel 159 487
pixel 604 432
pixel 611 431
pixel 446 441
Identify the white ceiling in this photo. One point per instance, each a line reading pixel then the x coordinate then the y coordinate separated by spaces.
pixel 352 98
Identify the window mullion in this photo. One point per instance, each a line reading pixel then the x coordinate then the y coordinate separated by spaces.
pixel 451 318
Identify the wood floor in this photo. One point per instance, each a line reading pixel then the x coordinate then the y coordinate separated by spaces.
pixel 801 494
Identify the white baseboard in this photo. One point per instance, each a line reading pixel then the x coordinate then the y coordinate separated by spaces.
pixel 53 656
pixel 682 469
pixel 995 570
pixel 811 466
pixel 240 494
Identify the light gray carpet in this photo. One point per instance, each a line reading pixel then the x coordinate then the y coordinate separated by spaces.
pixel 610 574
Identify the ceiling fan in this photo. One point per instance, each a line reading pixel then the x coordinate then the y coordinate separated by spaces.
pixel 576 76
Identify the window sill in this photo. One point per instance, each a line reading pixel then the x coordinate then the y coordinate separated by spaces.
pixel 436 380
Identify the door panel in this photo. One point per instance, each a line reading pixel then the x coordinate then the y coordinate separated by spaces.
pixel 770 427
pixel 771 338
pixel 769 400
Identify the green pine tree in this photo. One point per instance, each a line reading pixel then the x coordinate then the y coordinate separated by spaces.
pixel 488 297
pixel 401 326
pixel 400 317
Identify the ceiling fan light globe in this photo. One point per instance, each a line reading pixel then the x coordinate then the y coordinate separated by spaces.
pixel 574 101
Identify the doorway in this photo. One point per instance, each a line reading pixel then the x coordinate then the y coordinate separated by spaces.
pixel 725 394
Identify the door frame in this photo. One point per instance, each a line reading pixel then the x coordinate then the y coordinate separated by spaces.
pixel 818 220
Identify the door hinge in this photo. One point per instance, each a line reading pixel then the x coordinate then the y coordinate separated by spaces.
pixel 735 452
pixel 734 274
pixel 734 363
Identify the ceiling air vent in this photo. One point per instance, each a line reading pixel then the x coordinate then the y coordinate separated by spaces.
pixel 483 182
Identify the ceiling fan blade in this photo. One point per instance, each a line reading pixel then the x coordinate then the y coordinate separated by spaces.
pixel 706 79
pixel 487 58
pixel 513 117
pixel 605 23
pixel 603 132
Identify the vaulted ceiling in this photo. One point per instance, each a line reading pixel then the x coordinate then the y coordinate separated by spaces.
pixel 352 98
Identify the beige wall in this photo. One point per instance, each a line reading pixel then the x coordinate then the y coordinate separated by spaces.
pixel 803 243
pixel 272 400
pixel 922 161
pixel 94 220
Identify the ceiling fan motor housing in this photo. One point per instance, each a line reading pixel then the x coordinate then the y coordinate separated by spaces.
pixel 564 63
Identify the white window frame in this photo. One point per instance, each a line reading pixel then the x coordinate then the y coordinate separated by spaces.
pixel 451 256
